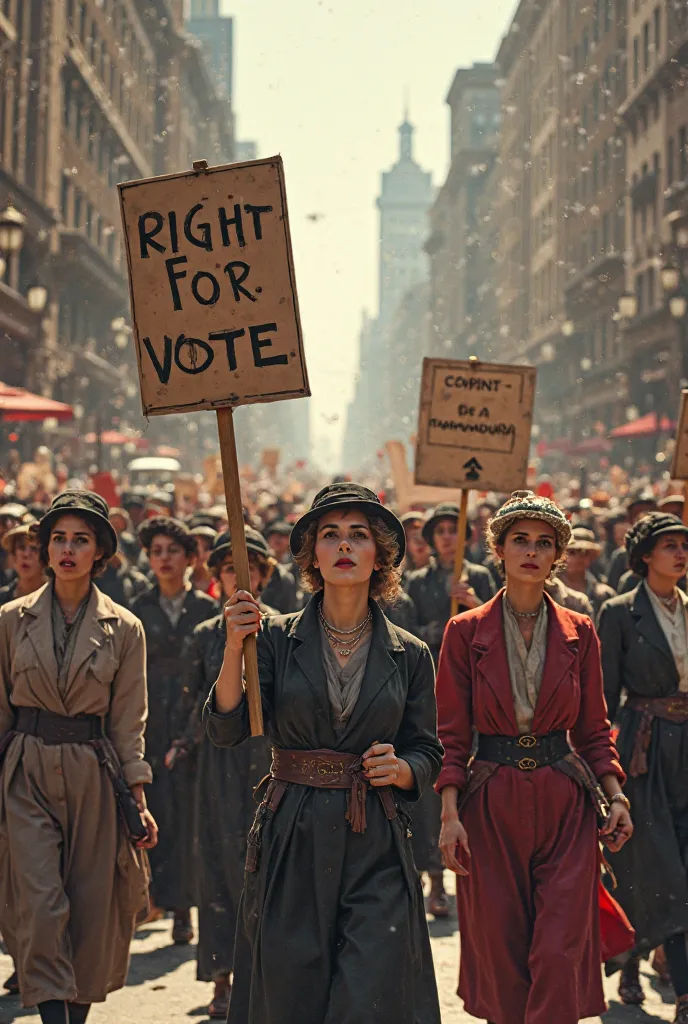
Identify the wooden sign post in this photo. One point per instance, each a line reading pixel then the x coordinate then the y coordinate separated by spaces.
pixel 473 431
pixel 215 312
pixel 679 464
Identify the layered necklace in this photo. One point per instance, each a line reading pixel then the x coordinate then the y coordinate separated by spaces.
pixel 523 615
pixel 352 637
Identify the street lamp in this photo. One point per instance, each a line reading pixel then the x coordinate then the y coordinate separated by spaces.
pixel 37 297
pixel 670 276
pixel 567 328
pixel 121 331
pixel 628 305
pixel 12 224
pixel 547 352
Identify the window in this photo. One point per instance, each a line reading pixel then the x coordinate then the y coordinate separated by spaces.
pixel 82 20
pixel 64 195
pixel 658 32
pixel 607 15
pixel 67 103
pixel 78 205
pixel 670 162
pixel 683 153
pixel 636 60
pixel 89 220
pixel 646 46
pixel 585 46
pixel 595 172
pixel 655 164
pixel 596 20
pixel 650 287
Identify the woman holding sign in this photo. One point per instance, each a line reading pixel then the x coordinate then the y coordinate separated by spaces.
pixel 332 925
pixel 524 674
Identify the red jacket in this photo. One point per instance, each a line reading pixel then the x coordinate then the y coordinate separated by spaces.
pixel 474 688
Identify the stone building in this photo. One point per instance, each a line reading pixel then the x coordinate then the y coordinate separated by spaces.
pixel 95 92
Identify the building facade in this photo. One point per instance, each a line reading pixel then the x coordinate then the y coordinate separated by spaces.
pixel 93 92
pixel 461 238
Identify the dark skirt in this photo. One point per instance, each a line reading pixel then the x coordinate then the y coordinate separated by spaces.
pixel 652 869
pixel 225 808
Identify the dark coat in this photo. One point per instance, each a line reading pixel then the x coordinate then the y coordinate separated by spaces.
pixel 652 869
pixel 530 934
pixel 429 587
pixel 283 591
pixel 171 663
pixel 332 925
pixel 123 585
pixel 618 565
pixel 225 809
pixel 402 612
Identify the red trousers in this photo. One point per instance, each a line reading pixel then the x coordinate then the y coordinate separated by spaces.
pixel 530 944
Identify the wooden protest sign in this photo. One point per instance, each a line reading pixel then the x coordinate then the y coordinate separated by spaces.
pixel 679 464
pixel 474 430
pixel 215 311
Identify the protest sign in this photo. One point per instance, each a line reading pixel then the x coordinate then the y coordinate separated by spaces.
pixel 215 312
pixel 679 464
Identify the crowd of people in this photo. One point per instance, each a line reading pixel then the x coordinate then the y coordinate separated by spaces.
pixel 121 633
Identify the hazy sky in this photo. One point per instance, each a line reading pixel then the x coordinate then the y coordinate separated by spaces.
pixel 323 82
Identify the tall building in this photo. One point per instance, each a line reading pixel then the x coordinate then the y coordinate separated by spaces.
pixel 404 201
pixel 215 31
pixel 385 397
pixel 459 223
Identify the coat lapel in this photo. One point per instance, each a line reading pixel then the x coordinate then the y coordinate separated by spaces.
pixel 380 666
pixel 305 630
pixel 92 636
pixel 562 649
pixel 37 609
pixel 489 648
pixel 648 626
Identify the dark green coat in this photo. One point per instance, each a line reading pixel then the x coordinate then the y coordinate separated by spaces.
pixel 429 588
pixel 652 868
pixel 332 927
pixel 171 662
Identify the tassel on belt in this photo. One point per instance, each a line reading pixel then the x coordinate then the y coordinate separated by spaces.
pixel 328 769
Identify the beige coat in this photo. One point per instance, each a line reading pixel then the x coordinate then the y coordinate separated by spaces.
pixel 71 883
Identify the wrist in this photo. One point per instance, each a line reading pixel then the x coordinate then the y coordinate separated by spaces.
pixel 621 798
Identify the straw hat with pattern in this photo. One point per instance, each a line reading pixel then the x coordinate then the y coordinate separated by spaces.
pixel 527 505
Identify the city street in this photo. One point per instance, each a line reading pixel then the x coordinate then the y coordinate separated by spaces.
pixel 163 989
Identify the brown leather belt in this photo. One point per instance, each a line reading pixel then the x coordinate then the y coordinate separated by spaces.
pixel 671 709
pixel 327 769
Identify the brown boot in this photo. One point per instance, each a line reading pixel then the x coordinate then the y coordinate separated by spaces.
pixel 660 966
pixel 438 904
pixel 219 1007
pixel 630 989
pixel 182 929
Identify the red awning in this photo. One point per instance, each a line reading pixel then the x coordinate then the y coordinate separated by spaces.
pixel 645 426
pixel 18 405
pixel 592 446
pixel 114 437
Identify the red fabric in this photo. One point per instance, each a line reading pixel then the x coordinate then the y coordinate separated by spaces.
pixel 617 934
pixel 529 911
pixel 644 426
pixel 571 696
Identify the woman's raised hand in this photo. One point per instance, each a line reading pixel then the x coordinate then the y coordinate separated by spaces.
pixel 242 617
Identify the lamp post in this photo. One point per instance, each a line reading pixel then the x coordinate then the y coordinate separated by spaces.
pixel 12 227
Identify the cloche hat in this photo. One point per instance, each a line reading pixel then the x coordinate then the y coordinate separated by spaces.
pixel 341 496
pixel 255 544
pixel 527 505
pixel 88 504
pixel 641 537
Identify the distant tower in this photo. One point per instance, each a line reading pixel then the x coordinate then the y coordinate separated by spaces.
pixel 404 202
pixel 215 32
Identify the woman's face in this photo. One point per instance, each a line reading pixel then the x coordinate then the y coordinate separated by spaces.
pixel 119 522
pixel 418 551
pixel 345 550
pixel 444 539
pixel 228 575
pixel 168 559
pixel 619 531
pixel 669 556
pixel 529 551
pixel 72 548
pixel 203 548
pixel 26 558
pixel 577 561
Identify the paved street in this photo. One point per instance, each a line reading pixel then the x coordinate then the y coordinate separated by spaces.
pixel 163 988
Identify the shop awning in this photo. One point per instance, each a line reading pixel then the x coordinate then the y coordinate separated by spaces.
pixel 591 446
pixel 115 437
pixel 18 405
pixel 645 426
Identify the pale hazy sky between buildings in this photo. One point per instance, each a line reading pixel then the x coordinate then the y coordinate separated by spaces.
pixel 323 83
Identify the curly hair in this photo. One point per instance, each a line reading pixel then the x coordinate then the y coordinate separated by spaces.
pixel 498 541
pixel 385 582
pixel 166 526
pixel 102 541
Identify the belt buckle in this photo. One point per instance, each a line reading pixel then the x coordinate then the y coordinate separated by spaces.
pixel 527 764
pixel 527 741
